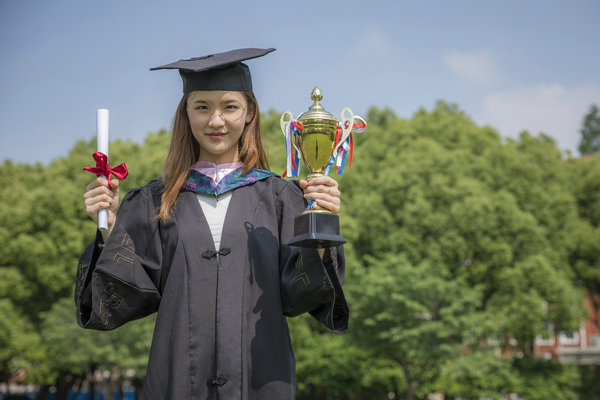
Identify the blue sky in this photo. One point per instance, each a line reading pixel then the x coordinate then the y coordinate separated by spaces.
pixel 515 65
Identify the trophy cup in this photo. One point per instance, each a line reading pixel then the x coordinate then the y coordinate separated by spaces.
pixel 317 136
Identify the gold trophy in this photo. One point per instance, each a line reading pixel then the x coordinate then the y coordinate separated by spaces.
pixel 316 142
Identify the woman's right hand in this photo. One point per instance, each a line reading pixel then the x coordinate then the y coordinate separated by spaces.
pixel 98 196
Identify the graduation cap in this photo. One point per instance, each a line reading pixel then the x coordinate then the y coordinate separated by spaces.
pixel 222 71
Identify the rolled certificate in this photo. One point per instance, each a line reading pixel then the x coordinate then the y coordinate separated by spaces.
pixel 102 140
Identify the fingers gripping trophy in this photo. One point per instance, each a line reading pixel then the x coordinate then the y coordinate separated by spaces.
pixel 322 141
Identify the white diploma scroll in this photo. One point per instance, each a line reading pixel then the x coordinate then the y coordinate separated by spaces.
pixel 102 140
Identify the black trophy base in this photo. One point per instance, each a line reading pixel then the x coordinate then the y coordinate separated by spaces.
pixel 317 230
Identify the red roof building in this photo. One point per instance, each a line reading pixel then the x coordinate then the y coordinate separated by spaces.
pixel 579 347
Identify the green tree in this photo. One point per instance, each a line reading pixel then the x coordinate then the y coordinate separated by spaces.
pixel 460 246
pixel 585 184
pixel 479 374
pixel 44 229
pixel 20 347
pixel 590 132
pixel 75 351
pixel 493 218
pixel 546 379
pixel 328 366
pixel 585 181
pixel 412 315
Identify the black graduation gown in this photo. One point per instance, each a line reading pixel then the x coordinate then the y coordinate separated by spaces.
pixel 221 331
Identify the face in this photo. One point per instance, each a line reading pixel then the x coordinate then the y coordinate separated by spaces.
pixel 217 119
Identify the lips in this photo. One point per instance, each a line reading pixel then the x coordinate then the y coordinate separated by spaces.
pixel 216 135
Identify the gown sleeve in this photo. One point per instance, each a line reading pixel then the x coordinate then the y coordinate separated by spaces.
pixel 309 284
pixel 118 281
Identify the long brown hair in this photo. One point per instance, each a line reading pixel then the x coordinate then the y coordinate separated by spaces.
pixel 184 151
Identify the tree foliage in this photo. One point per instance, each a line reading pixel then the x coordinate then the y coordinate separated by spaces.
pixel 462 248
pixel 590 132
pixel 444 215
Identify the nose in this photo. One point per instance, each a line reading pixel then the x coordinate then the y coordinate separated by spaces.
pixel 216 119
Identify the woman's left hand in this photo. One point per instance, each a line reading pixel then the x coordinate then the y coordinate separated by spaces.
pixel 324 191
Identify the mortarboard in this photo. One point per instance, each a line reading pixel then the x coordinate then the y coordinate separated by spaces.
pixel 222 71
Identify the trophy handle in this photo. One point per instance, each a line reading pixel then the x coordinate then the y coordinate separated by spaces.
pixel 347 123
pixel 285 121
pixel 284 124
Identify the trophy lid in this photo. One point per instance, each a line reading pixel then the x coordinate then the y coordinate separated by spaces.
pixel 316 111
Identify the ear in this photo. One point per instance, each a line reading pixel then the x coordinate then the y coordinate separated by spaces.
pixel 249 116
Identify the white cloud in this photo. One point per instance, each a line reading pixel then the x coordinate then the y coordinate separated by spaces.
pixel 476 67
pixel 552 109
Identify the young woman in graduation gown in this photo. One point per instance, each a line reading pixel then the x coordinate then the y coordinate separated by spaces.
pixel 205 247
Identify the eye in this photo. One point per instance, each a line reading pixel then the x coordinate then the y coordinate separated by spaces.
pixel 201 107
pixel 232 107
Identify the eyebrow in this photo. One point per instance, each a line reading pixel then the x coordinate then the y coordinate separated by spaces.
pixel 230 101
pixel 208 102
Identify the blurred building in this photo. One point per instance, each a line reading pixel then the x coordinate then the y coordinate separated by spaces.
pixel 578 347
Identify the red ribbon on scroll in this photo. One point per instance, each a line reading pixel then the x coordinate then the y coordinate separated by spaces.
pixel 103 169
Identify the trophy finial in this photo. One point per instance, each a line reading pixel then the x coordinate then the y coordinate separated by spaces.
pixel 316 95
pixel 316 111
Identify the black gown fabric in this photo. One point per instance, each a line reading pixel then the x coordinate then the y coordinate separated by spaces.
pixel 221 330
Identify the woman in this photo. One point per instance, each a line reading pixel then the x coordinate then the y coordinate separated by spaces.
pixel 205 246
